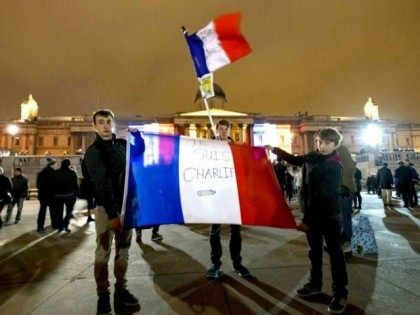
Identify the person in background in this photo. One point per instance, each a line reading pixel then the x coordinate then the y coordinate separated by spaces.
pixel 44 184
pixel 65 190
pixel 371 183
pixel 348 187
pixel 5 192
pixel 357 199
pixel 385 181
pixel 19 193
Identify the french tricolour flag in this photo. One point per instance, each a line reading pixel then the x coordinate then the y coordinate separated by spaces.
pixel 217 44
pixel 182 180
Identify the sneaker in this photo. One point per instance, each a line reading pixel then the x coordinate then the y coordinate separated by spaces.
pixel 124 301
pixel 40 230
pixel 337 305
pixel 242 271
pixel 17 221
pixel 308 290
pixel 213 272
pixel 67 230
pixel 156 237
pixel 103 306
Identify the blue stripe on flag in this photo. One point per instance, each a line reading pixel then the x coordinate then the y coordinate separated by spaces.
pixel 197 54
pixel 153 185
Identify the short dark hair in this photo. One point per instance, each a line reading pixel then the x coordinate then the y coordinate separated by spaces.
pixel 385 164
pixel 102 112
pixel 223 122
pixel 330 134
pixel 65 163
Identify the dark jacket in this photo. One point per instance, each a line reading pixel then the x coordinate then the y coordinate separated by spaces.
pixel 321 183
pixel 358 179
pixel 403 178
pixel 384 178
pixel 65 183
pixel 105 161
pixel 44 183
pixel 5 187
pixel 19 186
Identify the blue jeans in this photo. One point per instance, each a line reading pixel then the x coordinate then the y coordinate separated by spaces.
pixel 19 203
pixel 345 204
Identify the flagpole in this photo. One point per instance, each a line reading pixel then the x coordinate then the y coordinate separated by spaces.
pixel 213 127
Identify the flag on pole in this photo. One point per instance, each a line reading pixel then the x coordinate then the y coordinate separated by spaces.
pixel 217 44
pixel 180 180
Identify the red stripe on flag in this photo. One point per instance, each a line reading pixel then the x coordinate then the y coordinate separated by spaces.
pixel 230 36
pixel 261 200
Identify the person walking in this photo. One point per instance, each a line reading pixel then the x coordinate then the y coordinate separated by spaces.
pixel 65 189
pixel 19 193
pixel 235 244
pixel 385 181
pixel 322 214
pixel 45 186
pixel 106 162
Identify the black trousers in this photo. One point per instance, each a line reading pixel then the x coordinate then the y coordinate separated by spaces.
pixel 44 204
pixel 357 199
pixel 328 229
pixel 235 244
pixel 63 223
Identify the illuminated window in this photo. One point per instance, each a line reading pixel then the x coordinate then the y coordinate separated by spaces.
pixel 41 141
pixel 55 140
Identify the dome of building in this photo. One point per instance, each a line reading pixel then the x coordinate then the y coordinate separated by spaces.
pixel 218 92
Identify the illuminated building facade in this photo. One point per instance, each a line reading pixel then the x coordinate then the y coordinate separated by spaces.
pixel 35 135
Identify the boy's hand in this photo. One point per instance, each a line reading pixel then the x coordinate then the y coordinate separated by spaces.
pixel 303 227
pixel 115 224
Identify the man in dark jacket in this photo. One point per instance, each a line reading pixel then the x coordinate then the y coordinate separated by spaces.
pixel 19 194
pixel 45 186
pixel 385 182
pixel 403 176
pixel 106 161
pixel 5 192
pixel 65 190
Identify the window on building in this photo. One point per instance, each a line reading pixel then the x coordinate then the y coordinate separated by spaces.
pixel 69 141
pixel 41 141
pixel 55 141
pixel 407 140
pixel 352 139
pixel 237 137
pixel 17 141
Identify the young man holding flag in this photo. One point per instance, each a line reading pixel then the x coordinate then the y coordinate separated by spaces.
pixel 235 245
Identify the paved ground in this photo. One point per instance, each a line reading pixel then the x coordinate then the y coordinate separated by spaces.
pixel 50 274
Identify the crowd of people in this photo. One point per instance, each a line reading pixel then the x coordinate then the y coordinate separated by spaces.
pixel 327 182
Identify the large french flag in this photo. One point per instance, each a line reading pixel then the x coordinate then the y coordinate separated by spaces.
pixel 217 44
pixel 181 180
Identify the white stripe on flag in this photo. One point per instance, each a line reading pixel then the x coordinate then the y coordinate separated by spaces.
pixel 207 182
pixel 216 56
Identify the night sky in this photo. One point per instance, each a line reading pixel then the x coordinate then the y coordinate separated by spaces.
pixel 325 57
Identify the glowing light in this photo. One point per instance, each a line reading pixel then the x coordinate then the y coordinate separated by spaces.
pixel 372 134
pixel 12 130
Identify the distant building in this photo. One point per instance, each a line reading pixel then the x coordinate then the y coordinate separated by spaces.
pixel 36 135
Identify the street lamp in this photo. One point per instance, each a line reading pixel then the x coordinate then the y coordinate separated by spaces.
pixel 12 130
pixel 372 135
